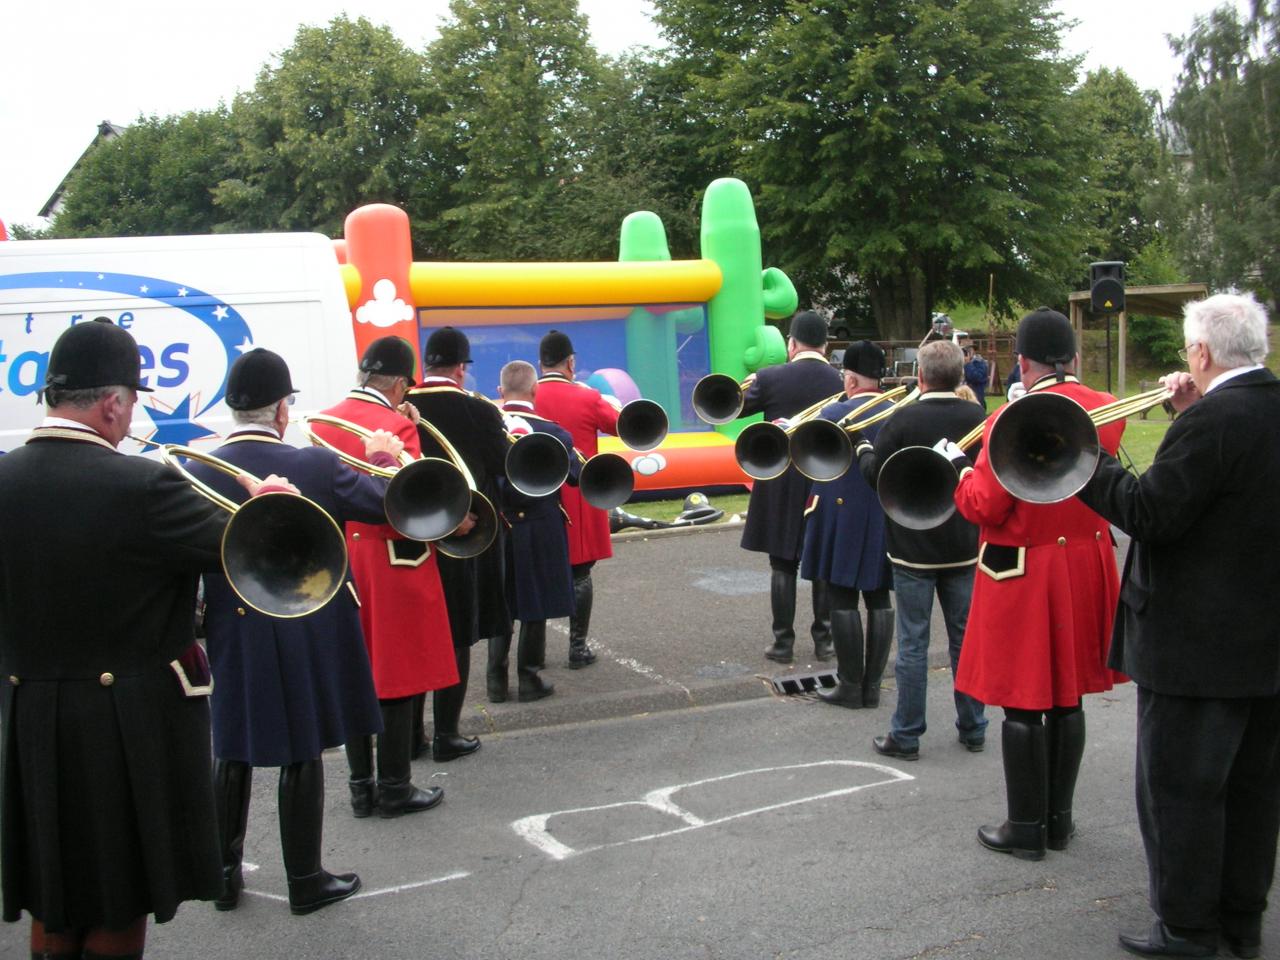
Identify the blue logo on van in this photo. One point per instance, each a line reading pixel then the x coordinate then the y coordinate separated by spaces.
pixel 164 368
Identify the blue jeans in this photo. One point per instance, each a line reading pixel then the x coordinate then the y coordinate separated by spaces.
pixel 915 590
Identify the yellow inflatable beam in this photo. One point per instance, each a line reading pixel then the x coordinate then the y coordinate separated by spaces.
pixel 546 284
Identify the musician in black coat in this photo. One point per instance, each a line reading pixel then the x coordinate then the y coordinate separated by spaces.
pixel 539 575
pixel 474 590
pixel 775 512
pixel 107 804
pixel 287 689
pixel 1197 631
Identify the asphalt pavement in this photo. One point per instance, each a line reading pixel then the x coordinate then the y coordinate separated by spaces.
pixel 668 803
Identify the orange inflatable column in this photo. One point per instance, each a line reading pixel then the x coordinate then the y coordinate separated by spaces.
pixel 379 247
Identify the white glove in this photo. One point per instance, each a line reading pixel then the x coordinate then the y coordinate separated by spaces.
pixel 1017 390
pixel 516 426
pixel 950 450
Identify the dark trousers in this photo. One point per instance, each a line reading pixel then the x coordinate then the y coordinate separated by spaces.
pixel 1208 790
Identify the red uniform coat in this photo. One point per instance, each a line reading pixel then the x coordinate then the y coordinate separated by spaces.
pixel 585 413
pixel 1045 593
pixel 402 610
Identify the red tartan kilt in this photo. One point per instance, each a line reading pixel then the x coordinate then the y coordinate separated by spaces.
pixel 1041 640
pixel 402 611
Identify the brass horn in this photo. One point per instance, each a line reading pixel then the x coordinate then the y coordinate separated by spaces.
pixel 763 449
pixel 464 545
pixel 917 485
pixel 642 424
pixel 606 480
pixel 282 554
pixel 717 398
pixel 537 464
pixel 426 498
pixel 823 449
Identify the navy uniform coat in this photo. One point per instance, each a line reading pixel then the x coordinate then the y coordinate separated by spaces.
pixel 539 577
pixel 775 512
pixel 474 590
pixel 286 690
pixel 844 539
pixel 107 794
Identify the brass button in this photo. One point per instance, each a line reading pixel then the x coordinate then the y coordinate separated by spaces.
pixel 520 515
pixel 1098 535
pixel 839 501
pixel 106 679
pixel 14 680
pixel 240 610
pixel 355 536
pixel 1062 541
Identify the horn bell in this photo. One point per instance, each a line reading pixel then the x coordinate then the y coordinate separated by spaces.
pixel 717 398
pixel 821 450
pixel 642 424
pixel 1043 448
pixel 281 556
pixel 917 488
pixel 427 499
pixel 763 451
pixel 464 546
pixel 537 464
pixel 606 481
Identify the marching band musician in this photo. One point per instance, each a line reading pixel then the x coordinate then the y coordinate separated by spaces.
pixel 1040 619
pixel 539 576
pixel 286 689
pixel 775 510
pixel 104 681
pixel 585 413
pixel 402 607
pixel 937 561
pixel 474 589
pixel 844 548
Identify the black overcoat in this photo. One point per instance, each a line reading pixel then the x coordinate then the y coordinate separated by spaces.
pixel 474 589
pixel 775 511
pixel 285 690
pixel 107 797
pixel 1197 614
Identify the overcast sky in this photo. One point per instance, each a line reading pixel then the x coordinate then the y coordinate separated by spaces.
pixel 70 64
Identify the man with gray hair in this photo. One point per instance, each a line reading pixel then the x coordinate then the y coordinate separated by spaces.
pixel 1196 629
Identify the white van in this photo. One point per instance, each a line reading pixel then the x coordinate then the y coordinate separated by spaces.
pixel 194 304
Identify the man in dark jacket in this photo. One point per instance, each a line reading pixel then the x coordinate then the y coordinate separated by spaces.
pixel 288 689
pixel 775 512
pixel 1196 629
pixel 108 805
pixel 938 561
pixel 474 589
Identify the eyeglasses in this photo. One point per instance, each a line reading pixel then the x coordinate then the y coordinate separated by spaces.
pixel 1182 354
pixel 291 398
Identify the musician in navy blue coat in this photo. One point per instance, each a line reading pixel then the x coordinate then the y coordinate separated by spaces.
pixel 539 576
pixel 844 545
pixel 286 689
pixel 775 513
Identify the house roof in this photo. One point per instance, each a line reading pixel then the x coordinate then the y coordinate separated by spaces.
pixel 106 131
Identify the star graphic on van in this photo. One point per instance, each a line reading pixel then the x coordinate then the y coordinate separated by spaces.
pixel 176 426
pixel 245 345
pixel 220 311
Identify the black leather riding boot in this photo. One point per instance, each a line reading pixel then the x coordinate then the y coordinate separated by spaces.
pixel 581 655
pixel 1023 834
pixel 782 600
pixel 531 648
pixel 360 776
pixel 821 629
pixel 495 678
pixel 396 793
pixel 879 640
pixel 301 798
pixel 846 633
pixel 418 739
pixel 446 711
pixel 1064 737
pixel 232 781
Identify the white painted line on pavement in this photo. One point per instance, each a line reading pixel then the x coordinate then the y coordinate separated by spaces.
pixel 630 663
pixel 401 888
pixel 534 828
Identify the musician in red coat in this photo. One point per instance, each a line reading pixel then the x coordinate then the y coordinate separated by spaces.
pixel 1040 620
pixel 402 607
pixel 585 413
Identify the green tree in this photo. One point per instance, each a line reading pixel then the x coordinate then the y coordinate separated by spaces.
pixel 328 127
pixel 1226 109
pixel 1159 337
pixel 154 179
pixel 917 145
pixel 517 79
pixel 1118 121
